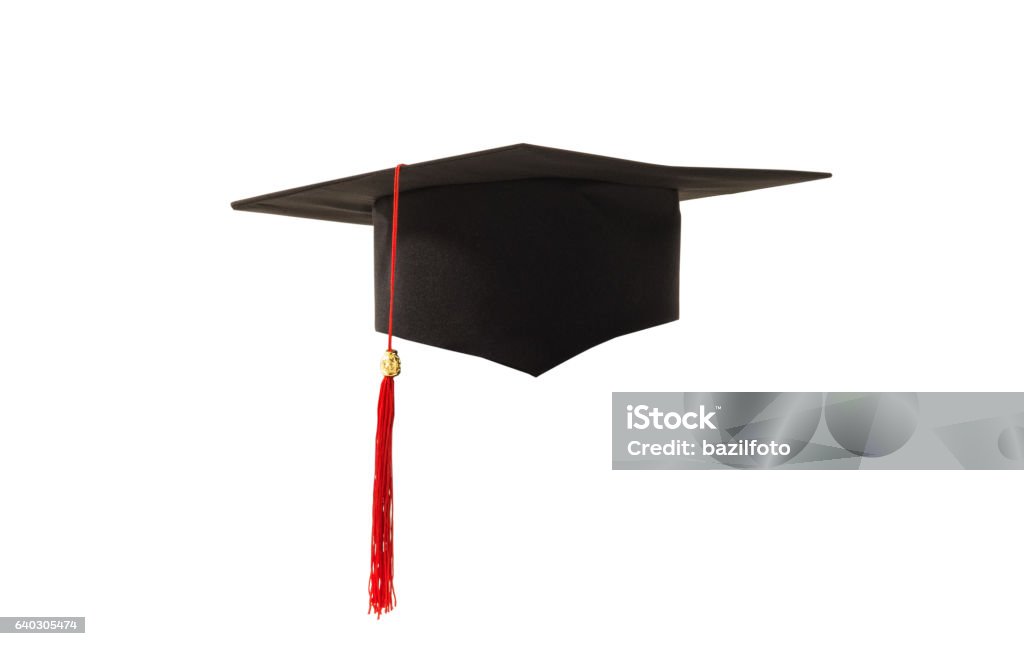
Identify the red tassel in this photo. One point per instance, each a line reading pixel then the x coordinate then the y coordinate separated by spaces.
pixel 382 549
pixel 382 538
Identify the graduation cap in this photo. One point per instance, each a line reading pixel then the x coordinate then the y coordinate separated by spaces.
pixel 523 255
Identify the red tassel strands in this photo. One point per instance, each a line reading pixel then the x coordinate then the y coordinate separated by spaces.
pixel 382 545
pixel 382 554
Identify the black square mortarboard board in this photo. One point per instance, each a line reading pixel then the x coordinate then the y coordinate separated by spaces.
pixel 523 255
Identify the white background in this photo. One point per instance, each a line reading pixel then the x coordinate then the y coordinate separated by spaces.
pixel 187 393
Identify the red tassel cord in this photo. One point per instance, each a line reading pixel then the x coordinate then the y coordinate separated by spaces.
pixel 382 545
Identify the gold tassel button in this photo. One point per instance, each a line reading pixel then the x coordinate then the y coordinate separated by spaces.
pixel 390 364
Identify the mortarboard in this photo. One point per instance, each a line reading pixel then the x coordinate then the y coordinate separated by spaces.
pixel 523 255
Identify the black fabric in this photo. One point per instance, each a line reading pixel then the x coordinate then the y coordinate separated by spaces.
pixel 351 199
pixel 528 273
